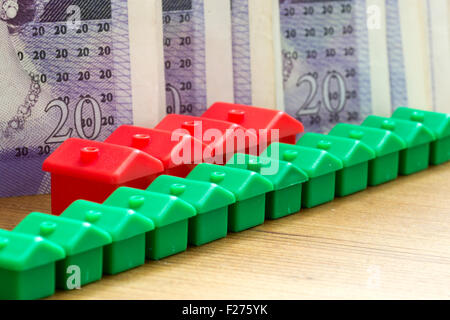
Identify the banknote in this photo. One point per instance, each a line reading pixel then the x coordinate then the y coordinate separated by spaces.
pixel 255 70
pixel 242 71
pixel 409 53
pixel 328 73
pixel 439 38
pixel 70 68
pixel 197 54
pixel 399 90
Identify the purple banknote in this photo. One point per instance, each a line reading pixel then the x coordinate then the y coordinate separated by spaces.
pixel 64 72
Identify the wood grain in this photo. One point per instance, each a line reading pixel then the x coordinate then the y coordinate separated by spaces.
pixel 391 241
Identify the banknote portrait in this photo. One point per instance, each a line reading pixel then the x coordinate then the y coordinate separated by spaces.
pixel 20 91
pixel 64 72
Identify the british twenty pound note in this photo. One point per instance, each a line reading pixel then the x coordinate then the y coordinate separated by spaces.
pixel 256 74
pixel 419 53
pixel 409 53
pixel 197 54
pixel 242 69
pixel 397 76
pixel 334 64
pixel 71 68
pixel 439 35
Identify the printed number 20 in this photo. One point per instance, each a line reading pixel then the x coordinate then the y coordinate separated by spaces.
pixel 311 81
pixel 57 137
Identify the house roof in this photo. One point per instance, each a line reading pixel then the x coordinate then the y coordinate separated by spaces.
pixel 162 209
pixel 314 162
pixel 437 122
pixel 282 174
pixel 120 223
pixel 20 252
pixel 243 183
pixel 74 236
pixel 413 133
pixel 251 117
pixel 383 142
pixel 204 196
pixel 201 129
pixel 158 143
pixel 101 162
pixel 172 122
pixel 350 151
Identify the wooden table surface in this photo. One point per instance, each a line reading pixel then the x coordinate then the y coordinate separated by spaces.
pixel 391 241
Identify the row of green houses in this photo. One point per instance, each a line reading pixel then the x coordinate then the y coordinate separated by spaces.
pixel 89 239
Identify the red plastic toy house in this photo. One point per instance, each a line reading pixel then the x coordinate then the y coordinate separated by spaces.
pixel 223 139
pixel 257 118
pixel 179 155
pixel 90 170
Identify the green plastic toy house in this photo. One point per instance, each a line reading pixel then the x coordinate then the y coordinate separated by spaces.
pixel 439 123
pixel 27 266
pixel 210 201
pixel 286 178
pixel 355 156
pixel 82 242
pixel 387 147
pixel 418 138
pixel 169 214
pixel 248 187
pixel 126 227
pixel 320 165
